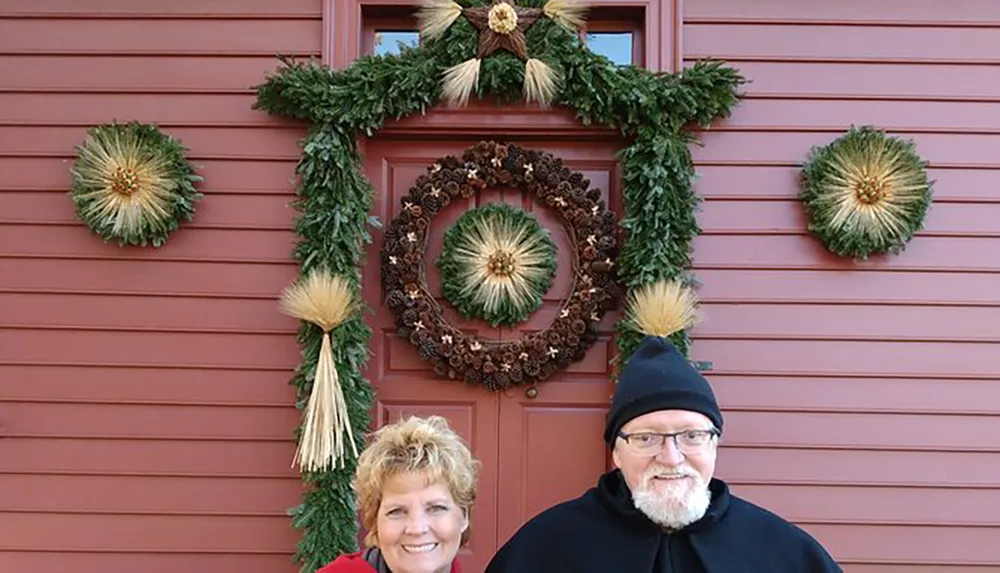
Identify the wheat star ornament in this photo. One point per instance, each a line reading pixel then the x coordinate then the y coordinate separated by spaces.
pixel 501 25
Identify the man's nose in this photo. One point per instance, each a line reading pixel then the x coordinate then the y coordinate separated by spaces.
pixel 670 455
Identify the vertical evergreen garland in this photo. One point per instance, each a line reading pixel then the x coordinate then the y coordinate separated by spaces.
pixel 335 199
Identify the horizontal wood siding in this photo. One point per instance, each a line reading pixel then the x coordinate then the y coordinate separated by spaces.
pixel 863 399
pixel 145 412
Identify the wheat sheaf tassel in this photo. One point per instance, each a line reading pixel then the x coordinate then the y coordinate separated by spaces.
pixel 327 301
pixel 661 308
pixel 435 17
pixel 539 82
pixel 566 13
pixel 459 81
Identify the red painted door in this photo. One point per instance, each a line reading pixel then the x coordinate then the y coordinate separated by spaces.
pixel 536 448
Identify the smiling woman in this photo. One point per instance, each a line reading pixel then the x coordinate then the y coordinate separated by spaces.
pixel 416 483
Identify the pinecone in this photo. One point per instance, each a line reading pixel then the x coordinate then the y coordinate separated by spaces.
pixel 516 373
pixel 433 204
pixel 396 301
pixel 440 369
pixel 427 351
pixel 593 193
pixel 501 380
pixel 473 377
pixel 532 368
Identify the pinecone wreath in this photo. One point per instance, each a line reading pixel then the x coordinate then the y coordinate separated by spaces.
pixel 535 357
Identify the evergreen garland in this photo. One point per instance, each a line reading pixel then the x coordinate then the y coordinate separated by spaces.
pixel 335 199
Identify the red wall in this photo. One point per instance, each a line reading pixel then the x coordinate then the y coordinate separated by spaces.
pixel 863 399
pixel 145 412
pixel 144 409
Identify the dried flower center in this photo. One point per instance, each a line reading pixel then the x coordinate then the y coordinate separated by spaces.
pixel 869 190
pixel 502 18
pixel 125 181
pixel 500 264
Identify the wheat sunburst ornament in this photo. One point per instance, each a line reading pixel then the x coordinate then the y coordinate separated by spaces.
pixel 132 183
pixel 496 264
pixel 865 193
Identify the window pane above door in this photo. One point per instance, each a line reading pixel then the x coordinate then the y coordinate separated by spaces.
pixel 616 46
pixel 388 41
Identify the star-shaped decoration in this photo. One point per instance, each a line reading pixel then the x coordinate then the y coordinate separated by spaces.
pixel 435 192
pixel 501 27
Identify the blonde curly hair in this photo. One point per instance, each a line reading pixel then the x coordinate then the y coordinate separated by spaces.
pixel 422 445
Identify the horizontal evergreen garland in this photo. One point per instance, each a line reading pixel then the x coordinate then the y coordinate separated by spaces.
pixel 335 199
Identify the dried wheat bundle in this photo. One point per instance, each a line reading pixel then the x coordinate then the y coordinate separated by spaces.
pixel 661 308
pixel 326 301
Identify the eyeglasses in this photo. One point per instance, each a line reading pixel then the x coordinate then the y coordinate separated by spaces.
pixel 651 443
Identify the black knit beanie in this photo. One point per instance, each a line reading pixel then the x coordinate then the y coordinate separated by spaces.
pixel 659 377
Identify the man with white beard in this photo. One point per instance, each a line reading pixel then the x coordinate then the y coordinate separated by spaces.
pixel 661 509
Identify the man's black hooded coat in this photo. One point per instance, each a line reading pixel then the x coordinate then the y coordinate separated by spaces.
pixel 603 532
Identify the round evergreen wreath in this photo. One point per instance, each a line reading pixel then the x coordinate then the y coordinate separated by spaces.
pixel 865 193
pixel 496 264
pixel 133 184
pixel 501 364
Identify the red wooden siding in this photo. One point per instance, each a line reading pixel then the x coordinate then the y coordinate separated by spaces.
pixel 863 398
pixel 145 415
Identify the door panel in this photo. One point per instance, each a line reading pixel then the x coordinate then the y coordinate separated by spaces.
pixel 535 450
